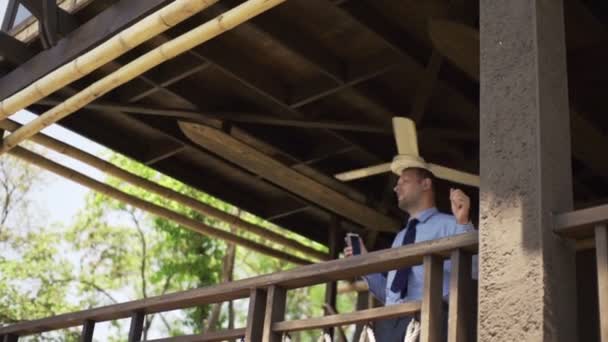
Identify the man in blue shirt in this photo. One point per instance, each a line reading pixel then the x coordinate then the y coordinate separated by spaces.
pixel 416 196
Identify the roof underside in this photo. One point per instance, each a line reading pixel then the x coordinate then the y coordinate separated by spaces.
pixel 313 84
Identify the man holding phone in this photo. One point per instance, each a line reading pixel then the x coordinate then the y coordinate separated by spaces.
pixel 415 195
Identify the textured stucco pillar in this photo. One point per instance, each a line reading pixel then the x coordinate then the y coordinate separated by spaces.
pixel 527 275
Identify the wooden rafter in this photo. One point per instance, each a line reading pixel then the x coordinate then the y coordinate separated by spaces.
pixel 14 51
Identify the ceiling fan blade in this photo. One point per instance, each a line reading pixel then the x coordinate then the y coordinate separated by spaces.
pixel 454 175
pixel 364 172
pixel 405 136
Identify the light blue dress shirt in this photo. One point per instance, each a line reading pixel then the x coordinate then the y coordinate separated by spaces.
pixel 432 225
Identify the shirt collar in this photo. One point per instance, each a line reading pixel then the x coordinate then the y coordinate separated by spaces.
pixel 424 215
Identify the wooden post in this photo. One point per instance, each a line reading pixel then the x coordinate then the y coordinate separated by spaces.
pixel 87 331
pixel 10 338
pixel 331 288
pixel 255 315
pixel 461 305
pixel 137 325
pixel 363 303
pixel 601 252
pixel 275 312
pixel 431 316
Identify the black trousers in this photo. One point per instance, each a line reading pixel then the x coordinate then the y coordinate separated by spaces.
pixel 393 330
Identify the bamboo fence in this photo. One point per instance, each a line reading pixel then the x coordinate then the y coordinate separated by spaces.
pixel 149 27
pixel 167 193
pixel 191 224
pixel 166 51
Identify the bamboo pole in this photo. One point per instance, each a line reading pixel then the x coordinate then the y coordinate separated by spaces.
pixel 168 193
pixel 149 27
pixel 168 50
pixel 150 207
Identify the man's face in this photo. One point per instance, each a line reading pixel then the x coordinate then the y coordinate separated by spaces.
pixel 409 189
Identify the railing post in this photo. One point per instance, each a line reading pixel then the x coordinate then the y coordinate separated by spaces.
pixel 275 312
pixel 255 315
pixel 431 315
pixel 331 288
pixel 87 331
pixel 459 316
pixel 10 338
pixel 601 252
pixel 137 325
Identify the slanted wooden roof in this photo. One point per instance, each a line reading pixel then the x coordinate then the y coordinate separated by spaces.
pixel 307 90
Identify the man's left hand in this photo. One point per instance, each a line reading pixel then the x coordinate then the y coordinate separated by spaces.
pixel 461 203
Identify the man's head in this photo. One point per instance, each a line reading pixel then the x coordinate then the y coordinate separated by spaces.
pixel 415 190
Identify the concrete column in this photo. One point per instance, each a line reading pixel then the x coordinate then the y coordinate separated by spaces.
pixel 527 275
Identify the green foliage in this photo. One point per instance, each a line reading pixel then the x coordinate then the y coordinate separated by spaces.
pixel 113 252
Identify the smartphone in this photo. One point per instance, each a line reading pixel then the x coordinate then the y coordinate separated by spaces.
pixel 353 240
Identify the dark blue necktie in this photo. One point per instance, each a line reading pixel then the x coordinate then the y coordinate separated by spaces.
pixel 399 284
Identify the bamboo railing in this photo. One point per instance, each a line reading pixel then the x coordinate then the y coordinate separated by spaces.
pixel 267 296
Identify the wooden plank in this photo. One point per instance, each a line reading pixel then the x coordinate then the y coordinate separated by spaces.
pixel 87 331
pixel 580 223
pixel 207 337
pixel 460 315
pixel 275 312
pixel 601 252
pixel 431 318
pixel 283 176
pixel 379 261
pixel 245 117
pixel 385 312
pixel 255 315
pixel 90 34
pixel 137 325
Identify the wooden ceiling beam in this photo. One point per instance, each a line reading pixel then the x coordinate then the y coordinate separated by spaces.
pixel 14 51
pixel 240 117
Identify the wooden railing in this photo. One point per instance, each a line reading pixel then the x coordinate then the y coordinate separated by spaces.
pixel 267 297
pixel 589 227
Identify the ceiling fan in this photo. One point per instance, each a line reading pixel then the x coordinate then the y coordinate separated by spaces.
pixel 407 147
